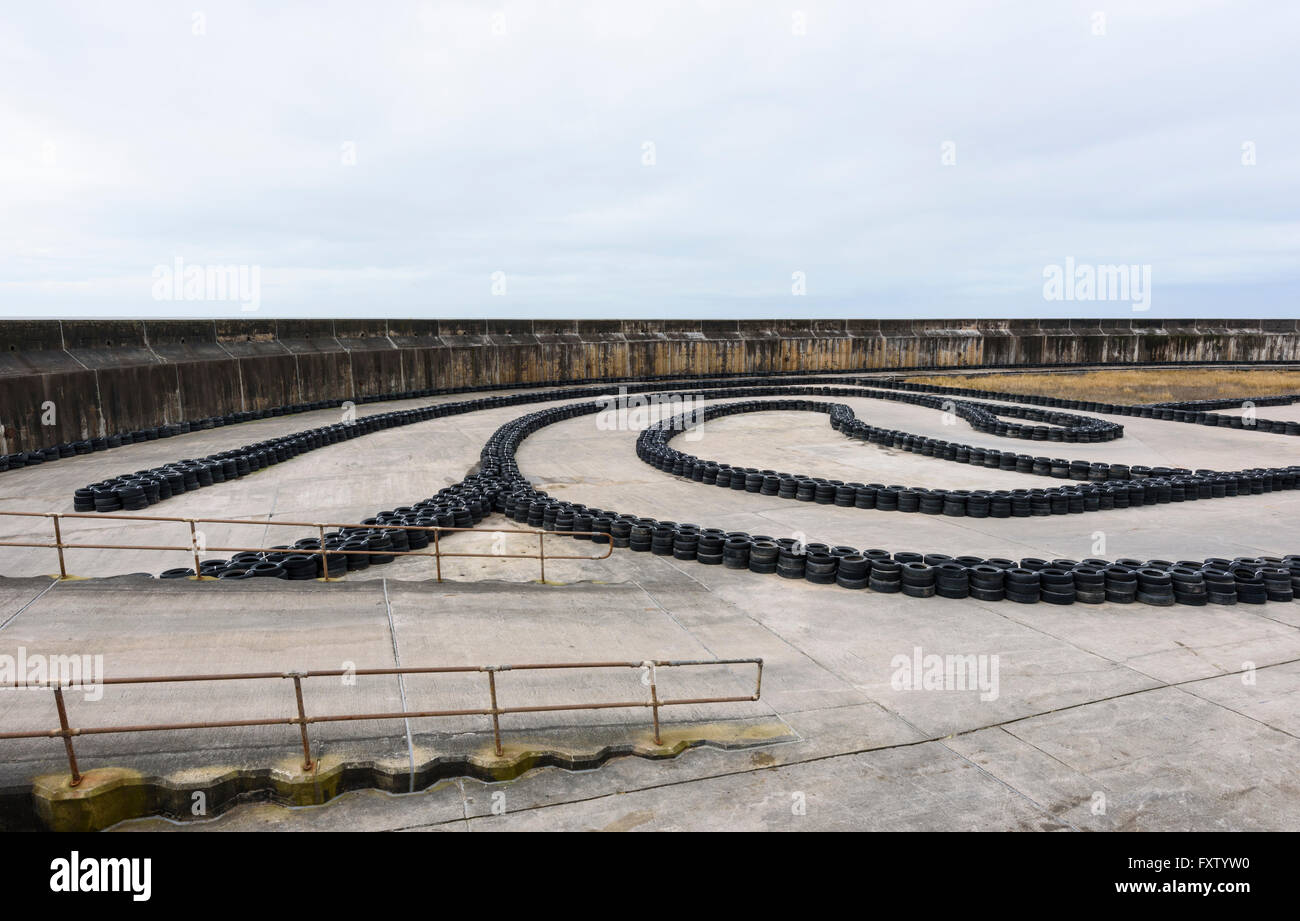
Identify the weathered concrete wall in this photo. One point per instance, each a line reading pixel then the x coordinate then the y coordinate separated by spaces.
pixel 109 376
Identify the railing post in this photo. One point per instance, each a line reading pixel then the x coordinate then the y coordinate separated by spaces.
pixel 194 545
pixel 58 542
pixel 541 552
pixel 496 720
pixel 437 553
pixel 302 724
pixel 324 556
pixel 66 732
pixel 654 702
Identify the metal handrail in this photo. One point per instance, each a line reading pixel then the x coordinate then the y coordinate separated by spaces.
pixel 302 720
pixel 437 553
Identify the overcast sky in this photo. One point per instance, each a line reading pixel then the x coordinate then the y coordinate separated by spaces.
pixel 649 159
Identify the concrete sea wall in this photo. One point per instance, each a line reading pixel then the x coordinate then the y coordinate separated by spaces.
pixel 104 376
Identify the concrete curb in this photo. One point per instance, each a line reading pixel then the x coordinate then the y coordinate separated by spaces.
pixel 109 795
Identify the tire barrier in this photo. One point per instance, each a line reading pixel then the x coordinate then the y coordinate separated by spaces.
pixel 1061 582
pixel 987 417
pixel 121 439
pixel 1195 412
pixel 21 459
pixel 139 490
pixel 135 491
pixel 500 486
pixel 365 546
pixel 1109 486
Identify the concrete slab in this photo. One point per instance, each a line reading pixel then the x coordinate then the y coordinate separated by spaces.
pixel 918 787
pixel 1172 760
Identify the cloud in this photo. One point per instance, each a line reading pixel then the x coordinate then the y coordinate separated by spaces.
pixel 388 161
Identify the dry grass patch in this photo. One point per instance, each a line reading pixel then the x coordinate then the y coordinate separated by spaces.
pixel 1138 386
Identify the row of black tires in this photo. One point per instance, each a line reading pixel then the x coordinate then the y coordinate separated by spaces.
pixel 1107 486
pixel 143 488
pixel 500 486
pixel 1156 582
pixel 389 534
pixel 1193 412
pixel 22 459
pixel 1182 411
pixel 1160 582
pixel 139 490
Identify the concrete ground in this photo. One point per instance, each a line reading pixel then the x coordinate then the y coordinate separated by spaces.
pixel 1100 717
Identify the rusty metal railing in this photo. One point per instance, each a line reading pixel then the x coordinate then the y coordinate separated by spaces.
pixel 67 732
pixel 194 546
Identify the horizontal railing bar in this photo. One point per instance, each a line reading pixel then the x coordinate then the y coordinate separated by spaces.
pixel 395 670
pixel 285 524
pixel 691 701
pixel 362 717
pixel 152 727
pixel 317 551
